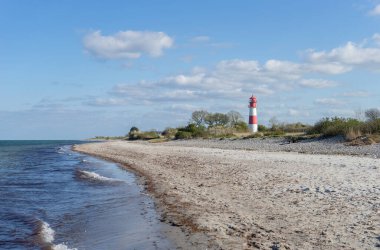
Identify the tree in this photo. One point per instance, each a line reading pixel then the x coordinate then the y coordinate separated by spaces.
pixel 234 118
pixel 372 114
pixel 133 133
pixel 198 117
pixel 216 119
pixel 134 129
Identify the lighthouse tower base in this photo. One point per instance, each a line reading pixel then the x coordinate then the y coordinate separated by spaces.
pixel 253 128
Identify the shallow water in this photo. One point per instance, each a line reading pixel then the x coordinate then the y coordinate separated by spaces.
pixel 54 198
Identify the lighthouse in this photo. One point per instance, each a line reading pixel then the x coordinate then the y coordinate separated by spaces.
pixel 252 114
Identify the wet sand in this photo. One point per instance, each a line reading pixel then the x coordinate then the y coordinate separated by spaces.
pixel 239 199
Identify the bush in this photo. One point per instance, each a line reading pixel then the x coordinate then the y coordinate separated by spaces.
pixel 169 132
pixel 294 127
pixel 371 126
pixel 137 135
pixel 133 133
pixel 183 135
pixel 334 126
pixel 262 128
pixel 194 130
pixel 241 126
pixel 148 135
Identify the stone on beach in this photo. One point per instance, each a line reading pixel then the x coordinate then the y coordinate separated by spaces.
pixel 241 199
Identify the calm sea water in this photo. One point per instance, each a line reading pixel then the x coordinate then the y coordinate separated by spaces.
pixel 54 198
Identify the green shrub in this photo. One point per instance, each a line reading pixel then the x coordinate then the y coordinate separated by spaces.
pixel 149 135
pixel 183 135
pixel 133 135
pixel 334 126
pixel 196 131
pixel 169 132
pixel 371 127
pixel 241 126
pixel 262 128
pixel 294 127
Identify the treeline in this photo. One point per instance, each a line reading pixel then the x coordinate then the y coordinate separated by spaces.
pixel 204 124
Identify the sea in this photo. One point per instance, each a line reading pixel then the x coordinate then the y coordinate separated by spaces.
pixel 54 198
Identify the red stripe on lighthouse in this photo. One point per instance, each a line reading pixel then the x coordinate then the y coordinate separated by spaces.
pixel 254 120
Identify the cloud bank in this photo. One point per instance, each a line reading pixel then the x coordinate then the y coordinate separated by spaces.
pixel 127 44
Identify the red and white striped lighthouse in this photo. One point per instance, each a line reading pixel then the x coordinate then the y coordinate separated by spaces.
pixel 252 114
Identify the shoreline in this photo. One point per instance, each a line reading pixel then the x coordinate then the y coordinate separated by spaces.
pixel 217 199
pixel 180 233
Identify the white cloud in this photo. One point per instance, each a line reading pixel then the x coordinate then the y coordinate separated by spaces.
pixel 127 44
pixel 229 82
pixel 332 68
pixel 277 66
pixel 238 65
pixel 375 11
pixel 200 39
pixel 349 54
pixel 317 83
pixel 329 101
pixel 184 80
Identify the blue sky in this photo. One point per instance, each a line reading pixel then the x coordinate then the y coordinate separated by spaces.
pixel 76 69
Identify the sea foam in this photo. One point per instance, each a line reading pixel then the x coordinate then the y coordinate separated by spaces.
pixel 46 235
pixel 92 176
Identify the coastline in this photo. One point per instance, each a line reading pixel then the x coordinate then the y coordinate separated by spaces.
pixel 181 234
pixel 237 199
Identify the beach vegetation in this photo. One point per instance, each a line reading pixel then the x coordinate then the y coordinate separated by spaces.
pixel 262 128
pixel 217 119
pixel 241 127
pixel 134 129
pixel 198 117
pixel 192 130
pixel 183 135
pixel 372 114
pixel 148 135
pixel 136 134
pixel 334 126
pixel 169 133
pixel 351 129
pixel 235 118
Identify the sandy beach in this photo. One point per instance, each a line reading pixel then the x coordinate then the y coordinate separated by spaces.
pixel 234 198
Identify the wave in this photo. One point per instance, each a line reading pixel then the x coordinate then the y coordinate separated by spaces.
pixel 46 235
pixel 63 149
pixel 94 177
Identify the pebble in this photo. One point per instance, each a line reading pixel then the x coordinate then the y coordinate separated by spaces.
pixel 333 145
